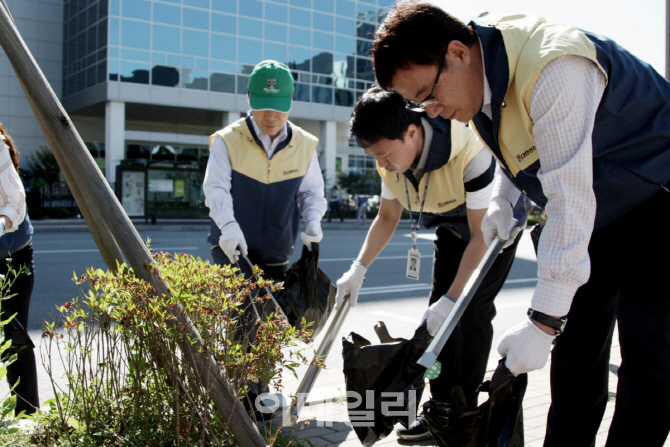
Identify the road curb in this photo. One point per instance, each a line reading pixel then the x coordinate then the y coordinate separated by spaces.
pixel 79 225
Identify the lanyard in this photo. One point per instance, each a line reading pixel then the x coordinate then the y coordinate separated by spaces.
pixel 415 227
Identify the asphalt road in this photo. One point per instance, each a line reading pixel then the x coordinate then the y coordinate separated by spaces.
pixel 60 255
pixel 387 294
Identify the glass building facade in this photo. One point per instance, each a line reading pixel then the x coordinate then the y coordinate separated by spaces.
pixel 149 80
pixel 213 45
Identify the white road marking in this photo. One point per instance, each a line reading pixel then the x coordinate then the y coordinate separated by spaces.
pixel 93 250
pixel 424 286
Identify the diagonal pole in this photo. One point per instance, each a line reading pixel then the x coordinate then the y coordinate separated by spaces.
pixel 436 345
pixel 114 233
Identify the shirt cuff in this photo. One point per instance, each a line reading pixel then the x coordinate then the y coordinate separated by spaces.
pixel 503 187
pixel 552 297
pixel 15 217
pixel 311 215
pixel 222 217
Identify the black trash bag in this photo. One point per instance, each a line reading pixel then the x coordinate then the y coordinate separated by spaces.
pixel 308 292
pixel 382 382
pixel 498 422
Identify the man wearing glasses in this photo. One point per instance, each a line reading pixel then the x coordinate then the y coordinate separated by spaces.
pixel 440 171
pixel 583 128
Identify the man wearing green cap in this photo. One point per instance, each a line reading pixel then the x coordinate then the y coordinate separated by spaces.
pixel 262 176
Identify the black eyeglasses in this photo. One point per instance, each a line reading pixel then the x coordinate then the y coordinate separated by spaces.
pixel 430 100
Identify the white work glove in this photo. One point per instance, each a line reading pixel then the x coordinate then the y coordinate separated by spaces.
pixel 231 238
pixel 526 347
pixel 312 233
pixel 350 284
pixel 497 220
pixel 435 315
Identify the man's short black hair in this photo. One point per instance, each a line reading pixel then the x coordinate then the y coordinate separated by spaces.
pixel 414 34
pixel 380 114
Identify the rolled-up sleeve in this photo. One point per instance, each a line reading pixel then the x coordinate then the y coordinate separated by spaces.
pixel 216 185
pixel 13 196
pixel 310 194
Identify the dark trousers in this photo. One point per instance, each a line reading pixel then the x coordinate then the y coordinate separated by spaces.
pixel 275 272
pixel 271 270
pixel 24 367
pixel 630 263
pixel 466 353
pixel 334 208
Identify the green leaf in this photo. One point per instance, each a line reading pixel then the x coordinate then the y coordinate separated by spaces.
pixel 8 406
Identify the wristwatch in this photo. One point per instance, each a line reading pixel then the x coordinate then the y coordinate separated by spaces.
pixel 554 323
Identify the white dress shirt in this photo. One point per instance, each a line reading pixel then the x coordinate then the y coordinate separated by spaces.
pixel 12 194
pixel 563 107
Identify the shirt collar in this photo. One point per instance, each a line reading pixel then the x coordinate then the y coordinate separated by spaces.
pixel 427 140
pixel 417 169
pixel 265 138
pixel 486 106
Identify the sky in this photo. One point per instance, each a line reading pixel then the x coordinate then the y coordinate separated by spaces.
pixel 637 25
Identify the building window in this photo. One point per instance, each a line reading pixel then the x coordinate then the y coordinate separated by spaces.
pixel 361 163
pixel 184 44
pixel 167 152
pixel 97 150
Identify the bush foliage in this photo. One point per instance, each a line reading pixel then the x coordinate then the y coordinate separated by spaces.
pixel 128 383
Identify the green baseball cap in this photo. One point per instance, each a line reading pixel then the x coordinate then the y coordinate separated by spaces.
pixel 271 87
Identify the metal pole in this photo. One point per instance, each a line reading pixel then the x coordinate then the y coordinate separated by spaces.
pixel 435 347
pixel 313 371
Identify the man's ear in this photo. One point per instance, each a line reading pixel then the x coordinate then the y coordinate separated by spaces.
pixel 412 132
pixel 457 50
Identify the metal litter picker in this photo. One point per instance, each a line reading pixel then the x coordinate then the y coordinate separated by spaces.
pixel 265 289
pixel 388 372
pixel 312 372
pixel 281 402
pixel 429 357
pixel 497 421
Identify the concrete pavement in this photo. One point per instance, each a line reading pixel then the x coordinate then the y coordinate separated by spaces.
pixel 325 420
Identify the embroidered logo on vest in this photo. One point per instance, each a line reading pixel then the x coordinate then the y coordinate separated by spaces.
pixel 443 204
pixel 290 172
pixel 272 86
pixel 520 157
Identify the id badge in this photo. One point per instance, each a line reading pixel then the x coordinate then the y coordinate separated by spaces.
pixel 413 263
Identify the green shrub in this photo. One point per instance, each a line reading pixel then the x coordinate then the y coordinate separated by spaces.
pixel 128 383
